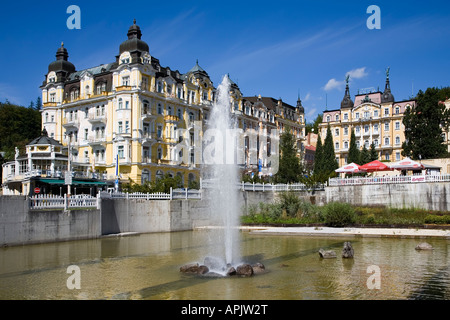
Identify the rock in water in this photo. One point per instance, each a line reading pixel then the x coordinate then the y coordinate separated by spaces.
pixel 189 268
pixel 244 270
pixel 258 268
pixel 347 252
pixel 202 270
pixel 231 271
pixel 327 254
pixel 424 246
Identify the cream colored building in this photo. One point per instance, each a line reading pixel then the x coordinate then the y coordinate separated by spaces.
pixel 375 118
pixel 123 118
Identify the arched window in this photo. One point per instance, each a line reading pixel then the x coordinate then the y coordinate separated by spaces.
pixel 328 118
pixel 179 114
pixel 145 176
pixel 159 87
pixel 120 103
pixel 169 110
pixel 159 175
pixel 159 154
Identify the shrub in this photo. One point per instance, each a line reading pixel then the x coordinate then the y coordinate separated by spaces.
pixel 338 214
pixel 435 219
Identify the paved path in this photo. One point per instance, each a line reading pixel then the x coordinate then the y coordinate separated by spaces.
pixel 351 232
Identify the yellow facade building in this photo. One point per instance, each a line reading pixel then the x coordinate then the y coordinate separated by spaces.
pixel 123 118
pixel 375 118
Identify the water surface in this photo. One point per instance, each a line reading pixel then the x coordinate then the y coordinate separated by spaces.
pixel 147 267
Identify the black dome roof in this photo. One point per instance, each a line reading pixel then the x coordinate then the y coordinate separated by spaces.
pixel 134 41
pixel 61 63
pixel 347 101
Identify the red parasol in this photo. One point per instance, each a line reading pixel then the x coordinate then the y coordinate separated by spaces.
pixel 375 166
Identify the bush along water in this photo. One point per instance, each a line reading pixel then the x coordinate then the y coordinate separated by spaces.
pixel 290 209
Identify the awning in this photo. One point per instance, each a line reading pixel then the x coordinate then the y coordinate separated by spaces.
pixel 407 164
pixel 375 166
pixel 350 168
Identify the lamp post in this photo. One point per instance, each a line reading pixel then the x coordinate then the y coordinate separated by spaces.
pixel 68 176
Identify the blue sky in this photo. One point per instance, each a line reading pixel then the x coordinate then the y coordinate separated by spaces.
pixel 277 48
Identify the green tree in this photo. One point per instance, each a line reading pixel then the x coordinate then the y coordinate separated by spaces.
pixel 424 124
pixel 353 151
pixel 314 126
pixel 318 156
pixel 364 156
pixel 373 152
pixel 289 169
pixel 328 156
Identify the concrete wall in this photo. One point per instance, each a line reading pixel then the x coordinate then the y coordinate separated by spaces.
pixel 19 225
pixel 429 196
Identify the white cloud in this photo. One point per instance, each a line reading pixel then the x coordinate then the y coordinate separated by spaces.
pixel 333 84
pixel 357 73
pixel 307 97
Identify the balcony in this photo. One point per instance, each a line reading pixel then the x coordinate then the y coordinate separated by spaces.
pixel 147 115
pixel 70 122
pixel 97 141
pixel 148 137
pixel 171 119
pixel 50 104
pixel 124 88
pixel 97 118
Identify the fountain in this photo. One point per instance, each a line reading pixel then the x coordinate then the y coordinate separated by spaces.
pixel 220 159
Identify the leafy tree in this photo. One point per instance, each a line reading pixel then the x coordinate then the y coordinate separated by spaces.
pixel 314 126
pixel 328 156
pixel 318 156
pixel 364 156
pixel 289 169
pixel 424 124
pixel 373 152
pixel 353 151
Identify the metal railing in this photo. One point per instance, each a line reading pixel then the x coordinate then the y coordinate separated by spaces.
pixel 48 201
pixel 388 180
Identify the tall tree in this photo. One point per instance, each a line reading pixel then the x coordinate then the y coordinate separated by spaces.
pixel 289 169
pixel 424 124
pixel 353 151
pixel 318 156
pixel 364 156
pixel 328 156
pixel 373 152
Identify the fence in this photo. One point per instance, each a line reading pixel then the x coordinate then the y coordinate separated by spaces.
pixel 48 201
pixel 173 194
pixel 388 180
pixel 263 187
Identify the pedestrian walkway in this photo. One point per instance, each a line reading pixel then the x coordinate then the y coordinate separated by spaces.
pixel 350 232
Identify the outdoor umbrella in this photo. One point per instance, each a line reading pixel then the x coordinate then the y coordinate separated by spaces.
pixel 407 164
pixel 375 166
pixel 350 168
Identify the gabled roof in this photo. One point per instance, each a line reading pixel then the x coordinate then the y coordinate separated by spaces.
pixel 44 139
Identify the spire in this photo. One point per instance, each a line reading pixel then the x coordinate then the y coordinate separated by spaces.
pixel 347 100
pixel 299 105
pixel 387 95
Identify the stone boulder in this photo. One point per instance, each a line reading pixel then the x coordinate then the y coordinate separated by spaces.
pixel 202 269
pixel 327 254
pixel 347 251
pixel 190 268
pixel 258 268
pixel 424 246
pixel 244 270
pixel 231 271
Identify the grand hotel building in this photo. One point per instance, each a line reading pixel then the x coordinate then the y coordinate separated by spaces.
pixel 375 117
pixel 121 118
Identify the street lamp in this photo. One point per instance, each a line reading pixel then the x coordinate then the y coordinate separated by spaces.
pixel 68 176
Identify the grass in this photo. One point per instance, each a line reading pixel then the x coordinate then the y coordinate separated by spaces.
pixel 290 209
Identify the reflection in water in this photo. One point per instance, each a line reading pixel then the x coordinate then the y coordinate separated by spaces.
pixel 147 267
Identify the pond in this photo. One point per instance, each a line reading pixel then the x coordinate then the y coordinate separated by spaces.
pixel 147 266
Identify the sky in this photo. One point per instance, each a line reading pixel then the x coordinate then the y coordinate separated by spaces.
pixel 280 49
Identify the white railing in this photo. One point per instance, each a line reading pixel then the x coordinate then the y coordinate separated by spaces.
pixel 172 195
pixel 388 180
pixel 48 201
pixel 249 186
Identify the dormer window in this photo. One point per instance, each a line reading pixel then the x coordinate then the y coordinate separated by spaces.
pixel 126 60
pixel 159 87
pixel 126 81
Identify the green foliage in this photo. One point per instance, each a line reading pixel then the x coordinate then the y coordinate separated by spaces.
pixel 160 185
pixel 337 214
pixel 329 163
pixel 290 169
pixel 353 151
pixel 364 156
pixel 19 125
pixel 318 157
pixel 424 124
pixel 373 152
pixel 436 219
